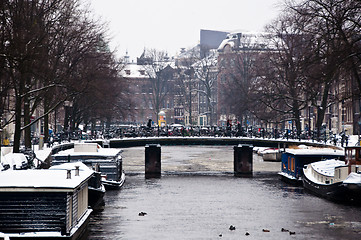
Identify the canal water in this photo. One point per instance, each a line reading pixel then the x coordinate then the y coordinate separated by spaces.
pixel 198 197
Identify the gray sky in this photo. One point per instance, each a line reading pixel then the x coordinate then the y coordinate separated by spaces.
pixel 170 25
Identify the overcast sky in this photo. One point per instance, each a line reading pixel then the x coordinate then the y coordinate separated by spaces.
pixel 170 25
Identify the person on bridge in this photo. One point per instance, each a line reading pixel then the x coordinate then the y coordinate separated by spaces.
pixel 149 124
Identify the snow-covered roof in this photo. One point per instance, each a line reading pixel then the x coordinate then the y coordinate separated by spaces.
pixel 315 151
pixel 327 167
pixel 353 178
pixel 72 165
pixel 134 71
pixel 102 152
pixel 44 178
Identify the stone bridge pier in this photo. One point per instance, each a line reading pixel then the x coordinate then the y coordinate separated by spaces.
pixel 153 161
pixel 243 160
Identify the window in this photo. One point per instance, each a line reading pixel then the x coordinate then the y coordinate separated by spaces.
pixel 289 164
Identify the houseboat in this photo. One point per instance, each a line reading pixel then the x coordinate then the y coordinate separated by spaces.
pixel 96 189
pixel 336 180
pixel 107 161
pixel 43 203
pixel 294 159
pixel 272 155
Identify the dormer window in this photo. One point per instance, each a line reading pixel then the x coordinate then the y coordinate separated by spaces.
pixel 127 72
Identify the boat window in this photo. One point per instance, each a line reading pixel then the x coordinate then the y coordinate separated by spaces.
pixel 289 163
pixel 293 164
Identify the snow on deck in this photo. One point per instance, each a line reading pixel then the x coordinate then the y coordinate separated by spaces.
pixel 327 167
pixel 45 178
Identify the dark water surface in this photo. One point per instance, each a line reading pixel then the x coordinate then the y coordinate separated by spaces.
pixel 201 205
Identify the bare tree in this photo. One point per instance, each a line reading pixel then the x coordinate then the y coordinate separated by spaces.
pixel 187 85
pixel 45 58
pixel 334 27
pixel 206 72
pixel 238 73
pixel 284 86
pixel 160 75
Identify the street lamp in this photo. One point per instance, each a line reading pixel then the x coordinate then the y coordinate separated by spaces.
pixel 67 106
pixel 309 120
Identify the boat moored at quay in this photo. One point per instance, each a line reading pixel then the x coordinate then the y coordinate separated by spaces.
pixel 107 161
pixel 336 180
pixel 44 203
pixel 294 159
pixel 96 189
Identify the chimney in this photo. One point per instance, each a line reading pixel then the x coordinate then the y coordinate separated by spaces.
pixel 68 174
pixel 76 170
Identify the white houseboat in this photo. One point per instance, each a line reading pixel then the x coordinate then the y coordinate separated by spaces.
pixel 334 179
pixel 46 204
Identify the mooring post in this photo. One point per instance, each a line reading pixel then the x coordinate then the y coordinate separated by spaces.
pixel 243 160
pixel 152 161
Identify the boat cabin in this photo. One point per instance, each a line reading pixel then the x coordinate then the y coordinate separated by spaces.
pixel 44 203
pixel 293 160
pixel 353 158
pixel 107 161
pixel 328 172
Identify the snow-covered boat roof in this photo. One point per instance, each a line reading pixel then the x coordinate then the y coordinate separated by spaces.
pixel 327 167
pixel 55 178
pixel 82 150
pixel 315 151
pixel 353 178
pixel 72 166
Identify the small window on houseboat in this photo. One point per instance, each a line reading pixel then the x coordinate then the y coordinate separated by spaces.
pixel 293 164
pixel 331 180
pixel 289 165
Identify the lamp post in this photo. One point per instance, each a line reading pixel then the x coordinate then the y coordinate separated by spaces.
pixel 309 120
pixel 67 106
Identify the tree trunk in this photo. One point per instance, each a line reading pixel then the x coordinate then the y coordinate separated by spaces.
pixel 46 124
pixel 17 133
pixel 27 131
